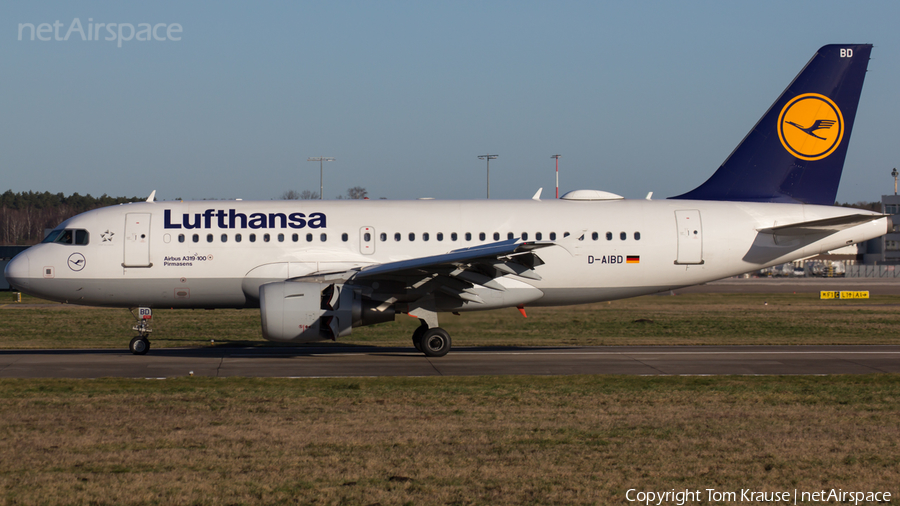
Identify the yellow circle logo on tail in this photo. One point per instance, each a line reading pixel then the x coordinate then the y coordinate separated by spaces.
pixel 810 126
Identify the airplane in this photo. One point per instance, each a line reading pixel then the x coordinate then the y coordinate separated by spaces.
pixel 317 269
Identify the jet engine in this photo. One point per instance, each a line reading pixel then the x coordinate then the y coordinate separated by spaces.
pixel 301 311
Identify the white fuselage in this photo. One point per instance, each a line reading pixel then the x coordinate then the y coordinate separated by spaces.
pixel 145 254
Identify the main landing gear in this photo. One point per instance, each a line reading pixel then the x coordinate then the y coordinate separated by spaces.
pixel 140 344
pixel 433 342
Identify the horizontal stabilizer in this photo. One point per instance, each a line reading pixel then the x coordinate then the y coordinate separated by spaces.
pixel 821 227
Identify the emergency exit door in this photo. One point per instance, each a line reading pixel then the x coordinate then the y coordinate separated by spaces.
pixel 367 240
pixel 690 237
pixel 137 240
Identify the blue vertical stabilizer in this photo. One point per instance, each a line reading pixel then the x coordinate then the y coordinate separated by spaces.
pixel 796 152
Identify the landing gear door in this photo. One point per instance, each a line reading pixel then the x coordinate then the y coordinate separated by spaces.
pixel 137 240
pixel 367 240
pixel 690 237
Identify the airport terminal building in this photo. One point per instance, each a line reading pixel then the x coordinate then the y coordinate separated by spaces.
pixel 886 249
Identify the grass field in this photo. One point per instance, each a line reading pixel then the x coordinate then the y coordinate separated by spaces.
pixel 461 441
pixel 509 440
pixel 650 320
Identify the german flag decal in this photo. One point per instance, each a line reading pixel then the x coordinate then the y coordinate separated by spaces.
pixel 633 259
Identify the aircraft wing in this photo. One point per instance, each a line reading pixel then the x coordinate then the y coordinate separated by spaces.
pixel 454 273
pixel 476 254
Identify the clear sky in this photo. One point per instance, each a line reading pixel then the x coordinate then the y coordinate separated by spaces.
pixel 636 96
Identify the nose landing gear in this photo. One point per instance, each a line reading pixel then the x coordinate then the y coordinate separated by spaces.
pixel 140 344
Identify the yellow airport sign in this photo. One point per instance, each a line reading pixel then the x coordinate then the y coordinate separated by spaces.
pixel 844 294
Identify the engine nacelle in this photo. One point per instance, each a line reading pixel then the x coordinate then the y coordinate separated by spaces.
pixel 300 312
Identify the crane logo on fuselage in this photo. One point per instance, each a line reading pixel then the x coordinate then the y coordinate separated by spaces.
pixel 228 219
pixel 810 126
pixel 76 261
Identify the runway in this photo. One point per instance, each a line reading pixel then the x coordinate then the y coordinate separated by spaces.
pixel 344 361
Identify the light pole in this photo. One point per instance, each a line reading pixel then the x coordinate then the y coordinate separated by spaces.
pixel 557 157
pixel 321 159
pixel 895 174
pixel 488 158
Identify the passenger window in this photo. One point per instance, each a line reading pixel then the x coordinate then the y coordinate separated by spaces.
pixel 345 237
pixel 496 236
pixel 538 236
pixel 481 236
pixel 224 237
pixel 397 237
pixel 196 238
pixel 524 236
pixel 552 236
pixel 510 236
pixel 425 236
pixel 266 237
pixel 237 237
pixel 440 236
pixel 623 236
pixel 383 237
pixel 595 236
pixel 637 236
pixel 453 236
pixel 252 237
pixel 309 238
pixel 367 237
pixel 323 237
pixel 468 236
pixel 565 234
pixel 412 236
pixel 209 238
pixel 609 236
pixel 295 237
pixel 280 237
pixel 180 237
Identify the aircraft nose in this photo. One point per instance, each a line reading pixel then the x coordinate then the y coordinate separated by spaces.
pixel 18 270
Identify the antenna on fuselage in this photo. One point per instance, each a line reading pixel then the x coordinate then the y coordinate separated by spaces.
pixel 152 195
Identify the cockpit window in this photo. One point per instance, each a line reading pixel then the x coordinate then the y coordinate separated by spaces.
pixel 65 237
pixel 81 237
pixel 51 237
pixel 69 236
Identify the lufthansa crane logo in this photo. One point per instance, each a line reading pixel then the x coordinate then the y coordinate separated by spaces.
pixel 810 126
pixel 76 261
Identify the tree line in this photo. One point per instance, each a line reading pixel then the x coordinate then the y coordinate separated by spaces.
pixel 355 193
pixel 24 216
